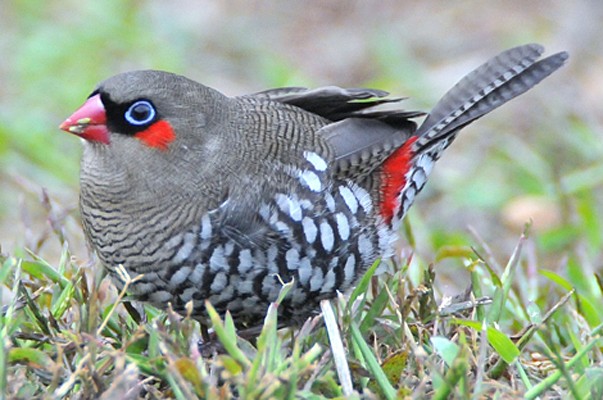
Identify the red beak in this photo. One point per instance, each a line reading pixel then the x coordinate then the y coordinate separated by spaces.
pixel 89 121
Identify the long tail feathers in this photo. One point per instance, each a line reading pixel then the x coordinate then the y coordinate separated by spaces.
pixel 504 77
pixel 499 80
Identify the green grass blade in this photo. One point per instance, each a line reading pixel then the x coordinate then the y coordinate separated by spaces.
pixel 373 366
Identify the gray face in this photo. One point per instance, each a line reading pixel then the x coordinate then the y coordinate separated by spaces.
pixel 172 147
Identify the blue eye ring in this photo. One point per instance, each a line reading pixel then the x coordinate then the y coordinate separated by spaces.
pixel 140 113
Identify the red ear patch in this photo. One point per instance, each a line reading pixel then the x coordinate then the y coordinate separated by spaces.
pixel 158 135
pixel 394 178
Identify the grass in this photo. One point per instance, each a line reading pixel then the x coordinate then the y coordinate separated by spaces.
pixel 67 333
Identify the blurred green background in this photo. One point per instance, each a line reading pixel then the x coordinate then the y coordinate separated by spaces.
pixel 540 157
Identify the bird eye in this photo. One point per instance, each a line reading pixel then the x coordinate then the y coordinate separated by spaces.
pixel 140 113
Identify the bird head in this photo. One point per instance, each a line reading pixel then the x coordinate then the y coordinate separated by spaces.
pixel 154 107
pixel 149 125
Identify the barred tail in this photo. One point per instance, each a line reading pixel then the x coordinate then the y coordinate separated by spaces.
pixel 499 80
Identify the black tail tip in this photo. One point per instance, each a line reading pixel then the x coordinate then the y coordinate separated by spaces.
pixel 563 56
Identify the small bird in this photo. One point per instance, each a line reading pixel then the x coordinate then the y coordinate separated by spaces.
pixel 223 199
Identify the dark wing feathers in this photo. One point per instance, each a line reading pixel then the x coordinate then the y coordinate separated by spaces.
pixel 354 135
pixel 334 103
pixel 361 145
pixel 328 94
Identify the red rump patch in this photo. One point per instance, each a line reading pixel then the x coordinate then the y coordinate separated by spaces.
pixel 394 171
pixel 158 135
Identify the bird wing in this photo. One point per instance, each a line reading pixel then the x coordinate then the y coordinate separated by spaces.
pixel 335 103
pixel 363 132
